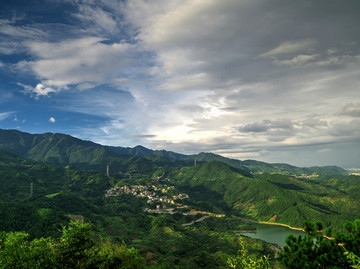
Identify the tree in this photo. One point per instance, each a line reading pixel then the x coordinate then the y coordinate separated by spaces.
pixel 319 250
pixel 16 251
pixel 246 261
pixel 75 244
pixel 74 249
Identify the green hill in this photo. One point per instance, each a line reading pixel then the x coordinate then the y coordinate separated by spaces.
pixel 60 194
pixel 275 198
pixel 61 149
pixel 141 151
pixel 271 168
pixel 225 184
pixel 52 148
pixel 39 198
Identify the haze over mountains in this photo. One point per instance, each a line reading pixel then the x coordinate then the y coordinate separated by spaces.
pixel 62 149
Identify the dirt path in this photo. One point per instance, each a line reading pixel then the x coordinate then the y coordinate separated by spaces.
pixel 191 223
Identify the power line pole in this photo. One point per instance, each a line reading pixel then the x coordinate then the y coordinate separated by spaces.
pixel 107 170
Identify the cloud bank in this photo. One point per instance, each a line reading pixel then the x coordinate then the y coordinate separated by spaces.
pixel 276 81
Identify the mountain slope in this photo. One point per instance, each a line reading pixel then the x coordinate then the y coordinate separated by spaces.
pixel 38 198
pixel 276 198
pixel 61 149
pixel 142 152
pixel 51 148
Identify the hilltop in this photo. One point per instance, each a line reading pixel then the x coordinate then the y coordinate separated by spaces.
pixel 61 149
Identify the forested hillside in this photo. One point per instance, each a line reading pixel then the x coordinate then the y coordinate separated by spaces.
pixel 174 212
pixel 60 149
pixel 38 199
pixel 276 198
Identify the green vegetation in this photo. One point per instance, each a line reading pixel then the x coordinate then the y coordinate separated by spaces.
pixel 74 249
pixel 184 218
pixel 63 193
pixel 319 250
pixel 60 149
pixel 244 260
pixel 270 197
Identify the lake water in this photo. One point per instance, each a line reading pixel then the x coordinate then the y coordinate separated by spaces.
pixel 272 233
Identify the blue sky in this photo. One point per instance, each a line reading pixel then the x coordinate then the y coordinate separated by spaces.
pixel 276 81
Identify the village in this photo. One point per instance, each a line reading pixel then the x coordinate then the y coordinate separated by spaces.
pixel 162 199
pixel 155 194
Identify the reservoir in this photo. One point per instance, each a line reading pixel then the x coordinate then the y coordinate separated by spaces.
pixel 272 233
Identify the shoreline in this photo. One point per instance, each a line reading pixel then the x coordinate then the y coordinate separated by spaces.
pixel 275 223
pixel 282 224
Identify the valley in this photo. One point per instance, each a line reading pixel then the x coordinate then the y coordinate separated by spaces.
pixel 173 212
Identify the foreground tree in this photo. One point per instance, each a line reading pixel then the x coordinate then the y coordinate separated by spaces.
pixel 74 249
pixel 246 261
pixel 318 249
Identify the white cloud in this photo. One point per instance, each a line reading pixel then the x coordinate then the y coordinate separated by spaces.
pixel 8 48
pixel 266 125
pixel 335 60
pixel 52 120
pixel 345 129
pixel 331 51
pixel 351 110
pixel 84 61
pixel 201 75
pixel 85 86
pixel 191 82
pixel 325 150
pixel 290 47
pixel 5 115
pixel 221 48
pixel 6 28
pixel 297 60
pixel 142 135
pixel 187 37
pixel 38 90
pixel 97 16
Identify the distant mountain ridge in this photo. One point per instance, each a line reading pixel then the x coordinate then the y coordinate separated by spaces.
pixel 141 151
pixel 252 166
pixel 62 149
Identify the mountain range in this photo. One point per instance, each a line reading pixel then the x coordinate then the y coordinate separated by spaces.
pixel 47 179
pixel 63 150
pixel 248 188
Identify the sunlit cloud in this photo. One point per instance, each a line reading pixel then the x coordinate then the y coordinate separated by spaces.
pixel 241 78
pixel 38 90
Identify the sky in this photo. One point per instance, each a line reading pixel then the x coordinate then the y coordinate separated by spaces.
pixel 275 81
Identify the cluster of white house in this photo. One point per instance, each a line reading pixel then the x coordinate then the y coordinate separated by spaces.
pixel 152 193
